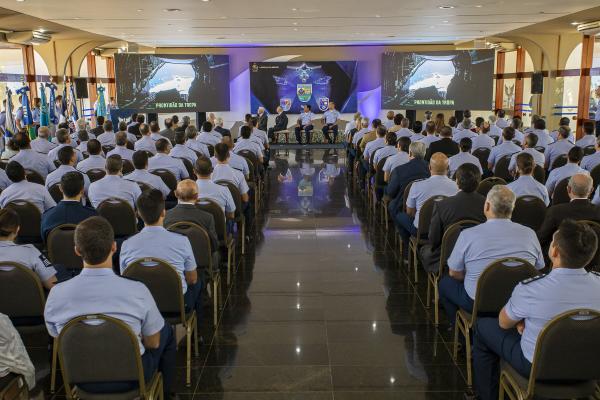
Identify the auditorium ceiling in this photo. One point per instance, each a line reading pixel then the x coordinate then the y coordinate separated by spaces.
pixel 183 23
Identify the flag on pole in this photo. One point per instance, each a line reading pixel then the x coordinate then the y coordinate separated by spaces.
pixel 64 110
pixel 27 117
pixel 51 107
pixel 10 128
pixel 101 105
pixel 44 118
pixel 73 104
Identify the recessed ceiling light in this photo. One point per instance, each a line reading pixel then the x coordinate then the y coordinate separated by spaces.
pixel 171 9
pixel 140 10
pixel 445 7
pixel 445 22
pixel 77 18
pixel 294 23
pixel 478 6
pixel 223 17
pixel 377 16
pixel 179 30
pixel 294 9
pixel 205 1
pixel 20 1
pixel 574 23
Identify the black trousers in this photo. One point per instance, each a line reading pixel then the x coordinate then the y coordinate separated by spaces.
pixel 326 129
pixel 307 129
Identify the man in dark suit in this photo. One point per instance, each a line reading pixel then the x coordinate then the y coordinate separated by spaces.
pixel 135 128
pixel 401 176
pixel 466 204
pixel 281 123
pixel 445 145
pixel 263 119
pixel 98 130
pixel 186 211
pixel 579 208
pixel 69 210
pixel 168 132
pixel 219 127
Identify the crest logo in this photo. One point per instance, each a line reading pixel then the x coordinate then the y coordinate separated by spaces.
pixel 304 92
pixel 323 103
pixel 285 103
pixel 254 68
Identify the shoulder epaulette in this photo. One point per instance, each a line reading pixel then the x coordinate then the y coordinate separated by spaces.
pixel 533 279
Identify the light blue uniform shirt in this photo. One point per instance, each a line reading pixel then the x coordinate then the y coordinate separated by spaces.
pixel 145 143
pixel 482 141
pixel 261 135
pixel 537 301
pixel 358 135
pixel 31 192
pixel 461 158
pixel 247 144
pixel 564 172
pixel 331 116
pixel 571 138
pixel 589 162
pixel 556 150
pixel 526 185
pixel 236 162
pixel 596 198
pixel 28 256
pixel 39 163
pixel 35 115
pixel 42 146
pixel 54 177
pixel 586 140
pixel 4 181
pixel 465 133
pixel 95 161
pixel 404 132
pixel 207 189
pixel 107 139
pixel 182 151
pixel 481 245
pixel 421 191
pixel 544 138
pixel 502 150
pixel 100 291
pixel 124 152
pixel 156 136
pixel 207 138
pixel 495 130
pixel 53 154
pixel 154 181
pixel 383 152
pixel 306 118
pixel 400 158
pixel 538 158
pixel 373 146
pixel 198 146
pixel 224 172
pixel 174 248
pixel 113 186
pixel 415 137
pixel 428 139
pixel 164 161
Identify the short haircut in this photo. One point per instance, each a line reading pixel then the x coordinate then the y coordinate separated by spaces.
pixel 15 172
pixel 108 126
pixel 525 163
pixel 180 137
pixel 308 106
pixel 191 132
pixel 397 119
pixel 417 126
pixel 9 222
pixel 564 131
pixel 94 239
pixel 44 132
pixel 144 129
pixel 221 151
pixel 175 119
pixel 418 150
pixel 404 143
pixel 62 135
pixel 65 154
pixel 588 127
pixel 430 127
pixel 376 123
pixel 501 113
pixel 438 164
pixel 122 126
pixel 245 132
pixel 168 123
pixel 254 121
pixel 576 242
pixel 564 121
pixel 207 126
pixel 508 133
pixel 540 124
pixel 502 201
pixel 466 123
pixel 468 177
pixel 467 113
pixel 187 191
pixel 72 183
pixel 121 138
pixel 99 120
pixel 446 132
pixel 575 155
pixel 185 120
pixel 466 144
pixel 94 147
pixel 140 159
pixel 203 166
pixel 381 131
pixel 83 136
pixel 390 138
pixel 479 121
pixel 581 185
pixel 162 145
pixel 452 121
pixel 531 140
pixel 140 119
pixel 81 124
pixel 114 164
pixel 154 128
pixel 150 205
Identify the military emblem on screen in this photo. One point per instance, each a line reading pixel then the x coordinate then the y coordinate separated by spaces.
pixel 285 103
pixel 304 92
pixel 323 103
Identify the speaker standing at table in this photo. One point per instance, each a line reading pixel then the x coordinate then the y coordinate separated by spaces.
pixel 305 122
pixel 281 122
pixel 331 117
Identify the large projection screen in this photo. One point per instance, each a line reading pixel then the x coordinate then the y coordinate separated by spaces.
pixel 173 82
pixel 291 85
pixel 457 80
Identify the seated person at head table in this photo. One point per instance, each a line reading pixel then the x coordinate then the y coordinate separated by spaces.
pixel 28 158
pixel 421 191
pixel 174 248
pixel 395 160
pixel 113 185
pixel 25 254
pixel 21 189
pixel 107 138
pixel 281 123
pixel 121 147
pixel 64 139
pixel 124 299
pixel 506 148
pixel 222 171
pixel 464 157
pixel 467 204
pixel 141 174
pixel 198 147
pixel 69 210
pixel 529 147
pixel 207 189
pixel 95 159
pixel 534 302
pixel 526 184
pixel 42 143
pixel 330 119
pixel 162 160
pixel 304 124
pixel 145 143
pixel 180 150
pixel 445 145
pixel 559 148
pixel 67 158
pixel 571 168
pixel 481 245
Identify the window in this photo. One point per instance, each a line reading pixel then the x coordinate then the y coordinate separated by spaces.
pixel 570 88
pixel 595 78
pixel 12 72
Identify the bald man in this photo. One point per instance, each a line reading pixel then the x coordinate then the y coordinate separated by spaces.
pixel 187 211
pixel 421 191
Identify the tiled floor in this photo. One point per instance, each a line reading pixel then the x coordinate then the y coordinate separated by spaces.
pixel 320 309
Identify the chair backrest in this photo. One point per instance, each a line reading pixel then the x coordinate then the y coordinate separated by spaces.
pixel 539 174
pixel 560 194
pixel 211 149
pixel 143 186
pixel 162 280
pixel 567 348
pixel 487 184
pixel 99 348
pixel 379 173
pixel 589 150
pixel 107 149
pixel 130 145
pixel 595 173
pixel 594 264
pixel 559 161
pixel 127 167
pixel 250 156
pixel 235 193
pixel 149 153
pixel 200 241
pixel 61 247
pixel 449 240
pixel 167 177
pixel 529 211
pixel 406 192
pixel 120 215
pixel 501 168
pixel 30 218
pixel 34 177
pixel 541 149
pixel 189 167
pixel 21 292
pixel 482 153
pixel 217 212
pixel 497 282
pixel 95 174
pixel 425 215
pixel 55 192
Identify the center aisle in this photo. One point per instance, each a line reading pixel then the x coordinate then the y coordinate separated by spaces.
pixel 320 308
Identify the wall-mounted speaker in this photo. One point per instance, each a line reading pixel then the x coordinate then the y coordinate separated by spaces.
pixel 537 83
pixel 81 88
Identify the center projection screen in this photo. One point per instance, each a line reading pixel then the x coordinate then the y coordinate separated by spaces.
pixel 291 85
pixel 458 80
pixel 173 82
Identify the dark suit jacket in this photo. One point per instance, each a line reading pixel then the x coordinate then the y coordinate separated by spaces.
pixel 65 212
pixel 445 145
pixel 181 128
pixel 191 213
pixel 263 122
pixel 97 131
pixel 401 177
pixel 223 131
pixel 281 122
pixel 169 134
pixel 579 209
pixel 135 129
